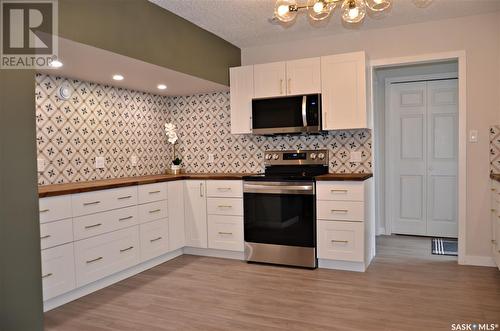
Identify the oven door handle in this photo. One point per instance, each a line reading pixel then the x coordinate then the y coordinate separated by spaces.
pixel 307 189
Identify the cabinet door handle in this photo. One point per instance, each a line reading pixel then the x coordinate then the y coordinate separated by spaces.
pixel 156 239
pixel 125 197
pixel 289 86
pixel 224 206
pixel 201 189
pixel 154 211
pixel 94 260
pixel 91 203
pixel 125 218
pixel 281 86
pixel 154 192
pixel 93 226
pixel 339 210
pixel 44 210
pixel 45 237
pixel 47 275
pixel 338 191
pixel 340 241
pixel 126 249
pixel 228 233
pixel 224 188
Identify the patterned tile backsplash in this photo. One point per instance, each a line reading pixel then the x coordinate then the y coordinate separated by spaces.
pixel 495 149
pixel 118 123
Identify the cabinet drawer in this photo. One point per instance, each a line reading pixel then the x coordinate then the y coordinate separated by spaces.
pixel 58 271
pixel 341 191
pixel 225 232
pixel 225 206
pixel 94 202
pixel 55 208
pixel 96 224
pixel 101 256
pixel 152 192
pixel 56 233
pixel 225 188
pixel 341 210
pixel 154 239
pixel 153 211
pixel 341 241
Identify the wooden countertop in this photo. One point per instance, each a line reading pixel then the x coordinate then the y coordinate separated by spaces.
pixel 353 177
pixel 495 177
pixel 96 185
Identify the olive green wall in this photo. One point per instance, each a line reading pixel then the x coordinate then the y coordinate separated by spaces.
pixel 145 31
pixel 20 283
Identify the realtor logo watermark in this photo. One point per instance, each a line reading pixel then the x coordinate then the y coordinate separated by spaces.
pixel 474 326
pixel 28 34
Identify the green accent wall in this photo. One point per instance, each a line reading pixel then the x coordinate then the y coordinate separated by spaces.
pixel 145 31
pixel 20 270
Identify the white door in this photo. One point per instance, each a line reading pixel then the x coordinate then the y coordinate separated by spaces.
pixel 241 81
pixel 423 144
pixel 303 76
pixel 269 80
pixel 195 207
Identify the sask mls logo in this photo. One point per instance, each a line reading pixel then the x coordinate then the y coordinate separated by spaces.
pixel 29 33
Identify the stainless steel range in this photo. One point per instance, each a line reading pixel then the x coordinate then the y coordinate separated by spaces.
pixel 280 208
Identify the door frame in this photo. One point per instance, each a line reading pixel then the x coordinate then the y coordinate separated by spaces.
pixel 459 56
pixel 389 180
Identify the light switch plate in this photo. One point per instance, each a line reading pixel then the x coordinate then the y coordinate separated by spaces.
pixel 133 160
pixel 40 164
pixel 473 136
pixel 99 162
pixel 355 156
pixel 210 158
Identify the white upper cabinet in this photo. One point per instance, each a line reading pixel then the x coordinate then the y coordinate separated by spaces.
pixel 241 99
pixel 303 76
pixel 269 80
pixel 343 88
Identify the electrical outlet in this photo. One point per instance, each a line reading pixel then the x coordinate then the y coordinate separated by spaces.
pixel 133 160
pixel 210 158
pixel 355 157
pixel 40 164
pixel 99 162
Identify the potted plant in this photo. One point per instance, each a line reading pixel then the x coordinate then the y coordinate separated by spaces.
pixel 171 133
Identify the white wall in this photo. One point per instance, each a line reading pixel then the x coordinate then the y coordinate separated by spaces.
pixel 479 36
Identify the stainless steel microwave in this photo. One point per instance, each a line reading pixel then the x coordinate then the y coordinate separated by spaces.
pixel 287 115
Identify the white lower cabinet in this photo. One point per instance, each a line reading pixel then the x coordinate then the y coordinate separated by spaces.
pixel 225 232
pixel 342 241
pixel 56 233
pixel 154 239
pixel 58 271
pixel 195 211
pixel 101 256
pixel 97 224
pixel 495 221
pixel 176 227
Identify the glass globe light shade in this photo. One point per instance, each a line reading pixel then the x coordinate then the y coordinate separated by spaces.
pixel 319 9
pixel 283 12
pixel 378 5
pixel 353 11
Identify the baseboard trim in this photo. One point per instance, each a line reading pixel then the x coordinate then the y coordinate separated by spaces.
pixel 107 281
pixel 342 265
pixel 481 261
pixel 214 253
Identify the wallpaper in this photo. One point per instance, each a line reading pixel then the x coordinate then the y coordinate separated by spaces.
pixel 118 124
pixel 495 149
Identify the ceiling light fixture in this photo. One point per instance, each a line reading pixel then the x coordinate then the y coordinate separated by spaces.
pixel 162 87
pixel 353 11
pixel 56 64
pixel 118 77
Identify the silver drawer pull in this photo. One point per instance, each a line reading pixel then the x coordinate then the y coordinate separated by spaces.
pixel 338 191
pixel 339 211
pixel 91 203
pixel 228 233
pixel 125 218
pixel 156 239
pixel 125 197
pixel 47 275
pixel 224 188
pixel 340 241
pixel 154 211
pixel 126 249
pixel 46 236
pixel 94 260
pixel 44 210
pixel 224 206
pixel 154 192
pixel 93 226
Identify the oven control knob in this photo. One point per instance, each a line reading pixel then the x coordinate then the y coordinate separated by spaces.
pixel 321 156
pixel 268 156
pixel 276 156
pixel 313 156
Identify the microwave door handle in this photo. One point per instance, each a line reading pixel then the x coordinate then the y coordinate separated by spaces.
pixel 304 111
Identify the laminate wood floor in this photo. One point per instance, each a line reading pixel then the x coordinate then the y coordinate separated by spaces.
pixel 403 289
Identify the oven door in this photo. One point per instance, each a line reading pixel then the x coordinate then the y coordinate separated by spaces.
pixel 280 213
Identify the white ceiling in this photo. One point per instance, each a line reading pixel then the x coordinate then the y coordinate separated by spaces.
pixel 97 65
pixel 245 23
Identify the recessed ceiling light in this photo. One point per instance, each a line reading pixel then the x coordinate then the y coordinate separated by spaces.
pixel 56 64
pixel 162 87
pixel 117 77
